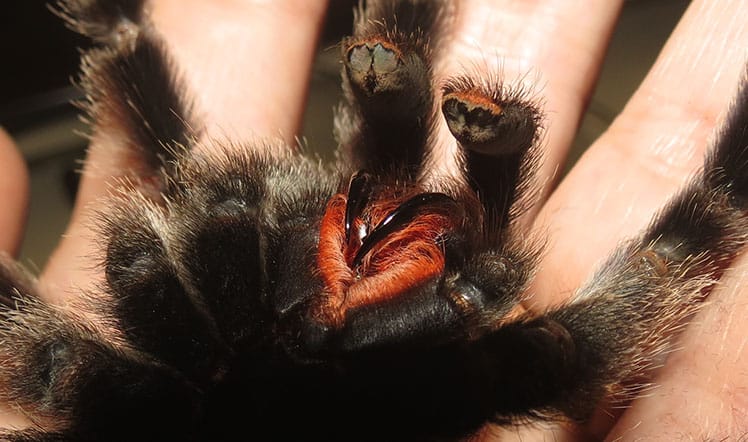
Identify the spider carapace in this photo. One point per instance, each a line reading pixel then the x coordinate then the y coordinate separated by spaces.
pixel 254 293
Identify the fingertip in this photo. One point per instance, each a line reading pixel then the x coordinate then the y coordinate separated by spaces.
pixel 14 194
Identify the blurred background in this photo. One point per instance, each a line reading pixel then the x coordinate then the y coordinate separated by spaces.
pixel 40 56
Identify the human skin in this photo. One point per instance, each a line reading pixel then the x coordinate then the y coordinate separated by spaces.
pixel 649 151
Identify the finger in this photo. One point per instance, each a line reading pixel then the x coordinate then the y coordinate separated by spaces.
pixel 247 63
pixel 553 47
pixel 649 150
pixel 702 392
pixel 14 188
pixel 247 80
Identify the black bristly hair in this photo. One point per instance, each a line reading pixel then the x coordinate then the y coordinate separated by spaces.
pixel 257 295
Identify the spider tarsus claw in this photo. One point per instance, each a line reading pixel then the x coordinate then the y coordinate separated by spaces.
pixel 488 125
pixel 373 66
pixel 385 79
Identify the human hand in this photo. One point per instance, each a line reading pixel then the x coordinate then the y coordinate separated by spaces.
pixel 649 150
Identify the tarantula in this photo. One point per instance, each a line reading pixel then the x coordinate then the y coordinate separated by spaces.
pixel 246 290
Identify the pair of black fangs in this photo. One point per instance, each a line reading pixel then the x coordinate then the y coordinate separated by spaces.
pixel 359 192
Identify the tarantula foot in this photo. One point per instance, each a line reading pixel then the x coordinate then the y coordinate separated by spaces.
pixel 381 73
pixel 488 122
pixel 373 66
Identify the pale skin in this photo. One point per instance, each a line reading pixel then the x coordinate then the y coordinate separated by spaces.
pixel 626 175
